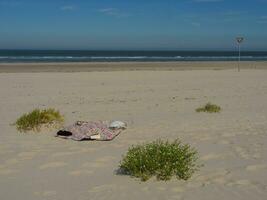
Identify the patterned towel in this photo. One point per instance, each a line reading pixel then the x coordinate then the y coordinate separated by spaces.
pixel 88 130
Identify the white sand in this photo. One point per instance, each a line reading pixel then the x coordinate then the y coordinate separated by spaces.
pixel 156 104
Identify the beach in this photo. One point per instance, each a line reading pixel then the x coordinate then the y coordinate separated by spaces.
pixel 157 100
pixel 126 66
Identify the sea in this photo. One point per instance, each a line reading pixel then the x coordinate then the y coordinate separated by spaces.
pixel 40 56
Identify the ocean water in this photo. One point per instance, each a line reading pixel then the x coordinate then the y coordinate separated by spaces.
pixel 13 56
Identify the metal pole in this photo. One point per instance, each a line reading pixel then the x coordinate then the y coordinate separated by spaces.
pixel 239 41
pixel 239 57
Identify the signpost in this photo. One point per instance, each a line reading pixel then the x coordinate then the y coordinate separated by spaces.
pixel 239 41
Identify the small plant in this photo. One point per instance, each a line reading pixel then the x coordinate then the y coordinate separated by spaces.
pixel 36 119
pixel 160 159
pixel 210 108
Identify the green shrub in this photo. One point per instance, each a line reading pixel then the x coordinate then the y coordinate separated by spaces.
pixel 160 159
pixel 210 108
pixel 38 118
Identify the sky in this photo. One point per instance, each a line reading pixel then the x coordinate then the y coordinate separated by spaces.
pixel 133 24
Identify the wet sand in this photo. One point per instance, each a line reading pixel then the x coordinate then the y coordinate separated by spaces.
pixel 125 66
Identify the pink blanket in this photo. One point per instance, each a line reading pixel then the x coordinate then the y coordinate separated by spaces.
pixel 87 130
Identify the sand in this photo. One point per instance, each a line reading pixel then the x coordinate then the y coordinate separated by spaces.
pixel 125 66
pixel 156 104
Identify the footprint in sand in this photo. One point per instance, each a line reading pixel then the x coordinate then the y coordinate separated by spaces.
pixel 145 189
pixel 176 197
pixel 100 162
pixel 194 185
pixel 73 152
pixel 225 142
pixel 211 156
pixel 242 182
pixel 256 167
pixel 108 191
pixel 97 164
pixel 20 157
pixel 204 138
pixel 220 180
pixel 219 176
pixel 59 154
pixel 243 153
pixel 27 155
pixel 100 188
pixel 52 165
pixel 93 164
pixel 11 161
pixel 80 172
pixel 47 193
pixel 256 155
pixel 178 189
pixel 106 188
pixel 105 159
pixel 4 171
pixel 117 145
pixel 161 188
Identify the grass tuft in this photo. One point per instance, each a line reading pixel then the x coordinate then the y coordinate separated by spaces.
pixel 209 108
pixel 162 159
pixel 36 119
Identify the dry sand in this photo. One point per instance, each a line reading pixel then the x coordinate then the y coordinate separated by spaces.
pixel 156 104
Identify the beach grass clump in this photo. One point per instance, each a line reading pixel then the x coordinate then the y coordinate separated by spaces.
pixel 162 159
pixel 36 119
pixel 209 108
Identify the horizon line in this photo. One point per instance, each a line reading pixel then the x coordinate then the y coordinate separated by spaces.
pixel 218 50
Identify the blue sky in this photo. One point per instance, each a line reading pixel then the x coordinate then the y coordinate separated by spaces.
pixel 132 24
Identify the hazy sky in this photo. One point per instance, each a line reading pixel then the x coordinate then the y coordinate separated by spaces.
pixel 132 24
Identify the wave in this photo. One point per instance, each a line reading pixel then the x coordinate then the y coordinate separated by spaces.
pixel 120 57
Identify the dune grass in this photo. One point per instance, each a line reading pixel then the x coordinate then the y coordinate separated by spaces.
pixel 36 119
pixel 162 159
pixel 209 108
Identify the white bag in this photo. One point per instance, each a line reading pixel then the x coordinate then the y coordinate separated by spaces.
pixel 117 125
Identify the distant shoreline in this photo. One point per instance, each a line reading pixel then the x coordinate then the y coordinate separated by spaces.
pixel 58 56
pixel 127 66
